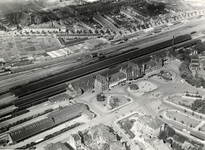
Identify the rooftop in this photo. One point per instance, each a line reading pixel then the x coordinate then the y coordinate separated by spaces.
pixel 118 76
pixel 88 113
pixel 86 82
pixel 103 131
pixel 30 130
pixel 67 113
pixel 117 146
pixel 59 97
pixel 110 72
pixel 76 137
pixel 151 122
pixel 57 146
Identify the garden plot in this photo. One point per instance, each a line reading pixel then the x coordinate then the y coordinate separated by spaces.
pixel 117 101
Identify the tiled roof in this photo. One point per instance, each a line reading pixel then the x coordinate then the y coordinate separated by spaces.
pixel 59 97
pixel 58 146
pixel 117 76
pixel 76 137
pixel 130 66
pixel 86 82
pixel 101 78
pixel 71 90
pixel 151 122
pixel 75 85
pixel 151 63
pixel 88 113
pixel 32 129
pixel 110 72
pixel 103 131
pixel 67 113
pixel 142 60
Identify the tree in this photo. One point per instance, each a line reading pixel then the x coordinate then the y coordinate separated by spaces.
pixel 162 135
pixel 169 131
pixel 101 31
pixel 192 113
pixel 96 31
pixel 100 97
pixel 90 31
pixel 200 47
pixel 197 92
pixel 185 110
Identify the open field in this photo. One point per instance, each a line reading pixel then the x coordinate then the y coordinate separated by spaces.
pixel 15 47
pixel 183 118
pixel 11 6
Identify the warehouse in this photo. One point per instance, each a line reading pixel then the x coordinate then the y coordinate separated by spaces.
pixel 68 113
pixel 97 66
pixel 31 130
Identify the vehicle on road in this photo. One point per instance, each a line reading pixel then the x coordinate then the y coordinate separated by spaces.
pixel 182 81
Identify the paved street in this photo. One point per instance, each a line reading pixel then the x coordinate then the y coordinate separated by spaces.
pixel 146 103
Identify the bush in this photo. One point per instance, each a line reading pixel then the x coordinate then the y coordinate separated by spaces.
pixel 100 97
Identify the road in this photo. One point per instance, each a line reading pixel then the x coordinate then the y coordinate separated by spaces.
pixel 144 103
pixel 140 103
pixel 194 25
pixel 190 26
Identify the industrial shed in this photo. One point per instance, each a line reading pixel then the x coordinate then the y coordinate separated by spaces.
pixel 67 113
pixel 59 97
pixel 97 66
pixel 39 96
pixel 31 130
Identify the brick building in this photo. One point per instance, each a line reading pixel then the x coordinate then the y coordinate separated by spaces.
pixel 131 70
pixel 149 125
pixel 153 64
pixel 109 79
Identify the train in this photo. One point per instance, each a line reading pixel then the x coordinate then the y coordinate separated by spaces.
pixel 39 96
pixel 27 99
pixel 104 63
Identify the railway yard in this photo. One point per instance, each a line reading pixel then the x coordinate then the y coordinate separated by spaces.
pixel 67 98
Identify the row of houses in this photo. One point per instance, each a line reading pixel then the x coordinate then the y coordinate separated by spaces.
pixel 113 77
pixel 47 29
pixel 98 135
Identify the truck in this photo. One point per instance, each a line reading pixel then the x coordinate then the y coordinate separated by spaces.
pixel 94 55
